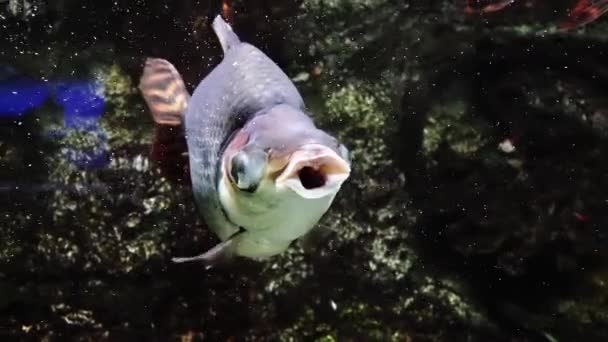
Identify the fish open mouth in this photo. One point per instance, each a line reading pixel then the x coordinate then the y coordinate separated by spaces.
pixel 314 171
pixel 311 178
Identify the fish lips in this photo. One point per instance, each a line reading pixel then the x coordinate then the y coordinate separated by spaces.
pixel 314 171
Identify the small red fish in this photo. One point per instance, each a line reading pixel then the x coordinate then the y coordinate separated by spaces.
pixel 581 13
pixel 584 12
pixel 486 6
pixel 581 217
pixel 228 10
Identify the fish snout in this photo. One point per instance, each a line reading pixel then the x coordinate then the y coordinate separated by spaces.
pixel 247 169
pixel 315 171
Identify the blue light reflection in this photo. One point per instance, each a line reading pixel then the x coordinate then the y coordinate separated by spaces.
pixel 82 105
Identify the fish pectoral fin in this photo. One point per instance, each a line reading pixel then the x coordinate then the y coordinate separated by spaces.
pixel 212 257
pixel 164 91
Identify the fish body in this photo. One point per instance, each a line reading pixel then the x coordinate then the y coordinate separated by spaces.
pixel 243 84
pixel 262 174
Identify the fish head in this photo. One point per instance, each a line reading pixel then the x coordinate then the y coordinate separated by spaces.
pixel 281 170
pixel 282 147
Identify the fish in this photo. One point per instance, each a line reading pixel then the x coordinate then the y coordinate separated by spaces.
pixel 580 12
pixel 584 12
pixel 486 6
pixel 262 173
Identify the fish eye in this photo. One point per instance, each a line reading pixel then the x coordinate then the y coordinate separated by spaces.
pixel 247 170
pixel 238 172
pixel 236 168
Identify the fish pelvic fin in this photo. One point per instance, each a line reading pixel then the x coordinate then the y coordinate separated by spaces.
pixel 225 34
pixel 164 92
pixel 219 254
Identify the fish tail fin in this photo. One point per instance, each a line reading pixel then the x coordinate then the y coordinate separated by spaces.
pixel 224 33
pixel 164 91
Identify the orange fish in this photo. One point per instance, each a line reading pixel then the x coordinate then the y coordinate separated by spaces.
pixel 228 10
pixel 167 97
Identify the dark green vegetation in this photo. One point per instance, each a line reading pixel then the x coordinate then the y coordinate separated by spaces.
pixel 440 235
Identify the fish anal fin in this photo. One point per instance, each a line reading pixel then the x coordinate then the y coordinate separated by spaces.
pixel 164 92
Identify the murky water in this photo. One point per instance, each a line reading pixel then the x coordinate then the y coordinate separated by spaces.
pixel 476 209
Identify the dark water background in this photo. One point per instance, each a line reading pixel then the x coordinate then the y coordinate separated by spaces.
pixel 476 211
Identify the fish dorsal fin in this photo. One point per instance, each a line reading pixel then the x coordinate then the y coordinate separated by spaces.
pixel 164 91
pixel 224 33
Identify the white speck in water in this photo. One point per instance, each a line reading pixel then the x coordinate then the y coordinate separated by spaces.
pixel 506 146
pixel 333 304
pixel 140 163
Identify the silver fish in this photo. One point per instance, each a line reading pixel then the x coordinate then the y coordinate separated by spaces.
pixel 262 173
